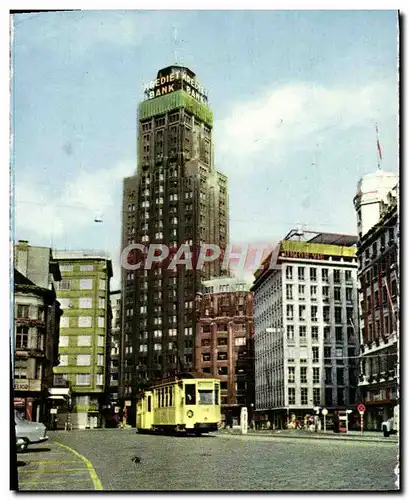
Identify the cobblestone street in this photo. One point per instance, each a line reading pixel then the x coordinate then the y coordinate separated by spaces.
pixel 123 460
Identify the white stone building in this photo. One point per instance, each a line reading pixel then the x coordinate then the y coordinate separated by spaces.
pixel 305 322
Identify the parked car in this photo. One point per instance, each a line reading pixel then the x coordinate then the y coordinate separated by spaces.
pixel 28 432
pixel 389 427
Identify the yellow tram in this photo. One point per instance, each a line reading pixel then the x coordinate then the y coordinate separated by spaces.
pixel 188 404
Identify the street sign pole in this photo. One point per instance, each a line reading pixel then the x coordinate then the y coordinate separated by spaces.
pixel 325 413
pixel 244 420
pixel 362 422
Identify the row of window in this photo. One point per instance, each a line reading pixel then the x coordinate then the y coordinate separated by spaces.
pixel 81 322
pixel 302 309
pixel 69 268
pixel 82 340
pixel 82 360
pixel 304 396
pixel 337 292
pixel 83 303
pixel 82 284
pixel 336 274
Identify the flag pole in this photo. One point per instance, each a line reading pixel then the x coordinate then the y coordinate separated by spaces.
pixel 378 146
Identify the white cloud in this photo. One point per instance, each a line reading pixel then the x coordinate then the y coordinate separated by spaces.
pixel 48 214
pixel 295 117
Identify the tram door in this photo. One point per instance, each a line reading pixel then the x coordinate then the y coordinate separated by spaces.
pixel 147 413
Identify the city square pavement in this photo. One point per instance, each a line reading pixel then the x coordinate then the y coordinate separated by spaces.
pixel 122 460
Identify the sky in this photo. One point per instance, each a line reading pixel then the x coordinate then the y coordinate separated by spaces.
pixel 295 97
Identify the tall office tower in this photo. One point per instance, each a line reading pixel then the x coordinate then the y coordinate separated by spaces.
pixel 176 197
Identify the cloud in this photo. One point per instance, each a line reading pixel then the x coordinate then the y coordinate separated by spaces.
pixel 49 214
pixel 295 117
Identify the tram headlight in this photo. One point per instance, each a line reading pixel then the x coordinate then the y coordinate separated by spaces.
pixel 189 414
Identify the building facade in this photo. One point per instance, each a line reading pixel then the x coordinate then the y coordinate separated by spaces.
pixel 379 309
pixel 224 342
pixel 36 325
pixel 175 198
pixel 116 349
pixel 84 347
pixel 306 327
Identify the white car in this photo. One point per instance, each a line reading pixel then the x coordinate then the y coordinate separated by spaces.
pixel 28 432
pixel 388 427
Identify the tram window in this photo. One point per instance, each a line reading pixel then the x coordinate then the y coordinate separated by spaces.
pixel 170 396
pixel 149 403
pixel 163 397
pixel 216 392
pixel 166 396
pixel 157 399
pixel 205 397
pixel 190 394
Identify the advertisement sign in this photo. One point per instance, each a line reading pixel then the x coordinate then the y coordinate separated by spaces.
pixel 174 80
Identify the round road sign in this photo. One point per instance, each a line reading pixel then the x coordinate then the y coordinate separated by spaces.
pixel 361 408
pixel 324 411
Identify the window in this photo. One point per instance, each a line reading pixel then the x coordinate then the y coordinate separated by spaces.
pixel 64 322
pixel 206 397
pixel 337 276
pixel 188 330
pixel 157 347
pixel 289 292
pixel 340 397
pixel 316 396
pixel 101 321
pixel 23 311
pixel 313 274
pixel 301 273
pixel 339 338
pixel 102 284
pixel 315 354
pixel 83 379
pixel 301 292
pixel 143 348
pixel 289 272
pixel 314 333
pixel 328 396
pixel 83 360
pixel 325 292
pixel 85 302
pixel 63 360
pixel 313 292
pixel 101 303
pixel 337 293
pixel 301 313
pixel 291 395
pixel 304 395
pixel 63 341
pixel 84 340
pixel 291 374
pixel 66 268
pixel 88 267
pixel 101 341
pixel 290 312
pixel 63 285
pixel 86 284
pixel 190 394
pixel 340 376
pixel 99 379
pixel 338 315
pixel 328 375
pixel 290 332
pixel 222 356
pixel 206 356
pixel 240 341
pixel 314 313
pixel 100 360
pixel 303 332
pixel 85 321
pixel 324 275
pixel 315 375
pixel 303 375
pixel 222 370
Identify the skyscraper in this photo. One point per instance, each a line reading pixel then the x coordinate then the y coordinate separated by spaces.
pixel 176 197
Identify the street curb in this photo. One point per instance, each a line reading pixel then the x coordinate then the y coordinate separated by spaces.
pixel 327 438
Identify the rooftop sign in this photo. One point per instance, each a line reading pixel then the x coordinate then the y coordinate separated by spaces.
pixel 174 80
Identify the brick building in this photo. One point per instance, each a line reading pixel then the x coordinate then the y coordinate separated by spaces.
pixel 224 341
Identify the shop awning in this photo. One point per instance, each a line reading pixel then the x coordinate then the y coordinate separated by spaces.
pixel 57 397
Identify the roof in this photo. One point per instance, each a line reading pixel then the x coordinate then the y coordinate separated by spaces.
pixel 346 240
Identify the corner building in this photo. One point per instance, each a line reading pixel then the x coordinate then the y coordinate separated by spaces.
pixel 306 327
pixel 176 197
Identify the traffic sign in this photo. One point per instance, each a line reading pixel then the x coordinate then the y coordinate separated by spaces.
pixel 361 408
pixel 324 411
